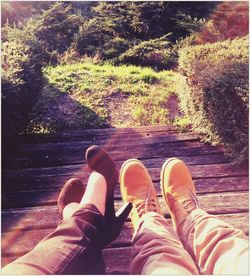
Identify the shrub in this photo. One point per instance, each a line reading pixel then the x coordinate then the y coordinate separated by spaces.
pixel 155 53
pixel 190 40
pixel 55 28
pixel 21 83
pixel 90 38
pixel 115 47
pixel 228 21
pixel 216 94
pixel 68 57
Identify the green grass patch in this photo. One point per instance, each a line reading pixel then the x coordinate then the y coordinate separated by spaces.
pixel 87 95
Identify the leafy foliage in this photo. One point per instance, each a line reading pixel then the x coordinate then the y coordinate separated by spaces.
pixel 115 47
pixel 90 38
pixel 55 28
pixel 229 20
pixel 21 83
pixel 155 53
pixel 140 33
pixel 191 24
pixel 216 98
pixel 104 28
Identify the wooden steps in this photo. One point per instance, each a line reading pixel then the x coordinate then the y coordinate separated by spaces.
pixel 38 169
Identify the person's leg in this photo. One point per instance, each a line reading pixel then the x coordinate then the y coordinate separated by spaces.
pixel 216 247
pixel 156 247
pixel 96 183
pixel 74 247
pixel 89 224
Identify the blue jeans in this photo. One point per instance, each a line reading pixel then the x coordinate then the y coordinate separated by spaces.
pixel 73 248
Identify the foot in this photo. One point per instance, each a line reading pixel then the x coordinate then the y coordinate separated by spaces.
pixel 98 160
pixel 72 191
pixel 137 188
pixel 178 191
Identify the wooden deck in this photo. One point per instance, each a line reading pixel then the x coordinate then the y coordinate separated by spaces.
pixel 41 165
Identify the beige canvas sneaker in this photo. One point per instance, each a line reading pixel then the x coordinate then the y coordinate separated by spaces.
pixel 178 190
pixel 137 187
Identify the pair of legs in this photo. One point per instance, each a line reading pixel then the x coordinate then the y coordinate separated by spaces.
pixel 88 224
pixel 74 247
pixel 197 243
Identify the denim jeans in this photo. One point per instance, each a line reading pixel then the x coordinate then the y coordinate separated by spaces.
pixel 73 248
pixel 206 245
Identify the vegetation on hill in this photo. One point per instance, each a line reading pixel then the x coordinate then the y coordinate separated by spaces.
pixel 85 95
pixel 81 64
pixel 217 92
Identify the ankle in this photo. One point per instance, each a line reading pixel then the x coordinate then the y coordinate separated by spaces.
pixel 95 192
pixel 70 209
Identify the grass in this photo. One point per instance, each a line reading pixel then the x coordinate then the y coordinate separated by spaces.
pixel 86 95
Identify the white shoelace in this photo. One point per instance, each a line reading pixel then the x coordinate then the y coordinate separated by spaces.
pixel 191 203
pixel 147 205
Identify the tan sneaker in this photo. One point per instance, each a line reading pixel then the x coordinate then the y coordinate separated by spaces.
pixel 178 190
pixel 137 187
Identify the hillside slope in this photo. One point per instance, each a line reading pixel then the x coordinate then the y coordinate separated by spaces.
pixel 86 95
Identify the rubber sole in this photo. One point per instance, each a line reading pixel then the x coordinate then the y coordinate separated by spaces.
pixel 164 166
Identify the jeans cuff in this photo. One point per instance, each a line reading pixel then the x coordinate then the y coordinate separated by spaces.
pixel 90 214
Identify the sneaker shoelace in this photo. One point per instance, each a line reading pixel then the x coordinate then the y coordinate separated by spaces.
pixel 148 205
pixel 191 203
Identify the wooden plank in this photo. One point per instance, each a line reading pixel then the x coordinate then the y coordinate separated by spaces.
pixel 48 196
pixel 55 176
pixel 83 171
pixel 181 139
pixel 142 152
pixel 62 150
pixel 74 135
pixel 18 241
pixel 48 178
pixel 47 216
pixel 219 185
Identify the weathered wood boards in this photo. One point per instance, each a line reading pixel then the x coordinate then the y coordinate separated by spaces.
pixel 36 173
pixel 43 197
pixel 34 217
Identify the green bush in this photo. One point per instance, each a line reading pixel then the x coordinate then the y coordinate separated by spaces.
pixel 115 47
pixel 188 41
pixel 21 83
pixel 55 28
pixel 90 38
pixel 216 93
pixel 155 53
